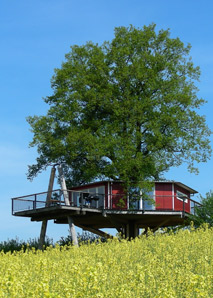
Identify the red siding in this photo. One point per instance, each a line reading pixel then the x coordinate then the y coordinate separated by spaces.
pixel 163 196
pixel 118 198
pixel 178 204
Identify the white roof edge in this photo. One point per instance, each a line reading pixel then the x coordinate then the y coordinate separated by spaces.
pixel 191 190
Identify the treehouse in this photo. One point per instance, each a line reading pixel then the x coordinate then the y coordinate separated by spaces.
pixel 106 204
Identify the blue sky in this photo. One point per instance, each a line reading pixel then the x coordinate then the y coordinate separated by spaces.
pixel 35 36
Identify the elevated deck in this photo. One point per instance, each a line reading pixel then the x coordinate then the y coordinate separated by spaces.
pixel 89 212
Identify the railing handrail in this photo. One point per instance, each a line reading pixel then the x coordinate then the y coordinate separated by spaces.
pixel 39 201
pixel 100 194
pixel 34 199
pixel 36 194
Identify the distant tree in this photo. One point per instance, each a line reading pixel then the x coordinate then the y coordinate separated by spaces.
pixel 204 213
pixel 126 109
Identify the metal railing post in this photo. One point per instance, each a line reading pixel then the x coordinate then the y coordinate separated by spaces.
pixel 12 206
pixel 173 202
pixel 60 193
pixel 183 207
pixel 81 199
pixel 195 206
pixel 111 199
pixel 35 201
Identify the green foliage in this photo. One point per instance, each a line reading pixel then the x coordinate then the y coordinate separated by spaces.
pixel 84 238
pixel 124 110
pixel 204 213
pixel 12 245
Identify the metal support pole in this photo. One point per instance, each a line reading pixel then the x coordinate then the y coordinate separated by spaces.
pixel 44 222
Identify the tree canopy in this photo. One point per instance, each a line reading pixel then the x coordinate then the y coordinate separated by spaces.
pixel 204 213
pixel 126 109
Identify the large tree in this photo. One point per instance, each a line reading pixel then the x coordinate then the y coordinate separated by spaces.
pixel 126 109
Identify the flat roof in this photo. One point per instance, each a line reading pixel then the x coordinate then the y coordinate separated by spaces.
pixel 191 190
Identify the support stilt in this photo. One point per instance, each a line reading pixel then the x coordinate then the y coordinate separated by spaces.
pixel 44 222
pixel 72 231
pixel 131 230
pixel 42 234
pixel 160 225
pixel 97 232
pixel 67 202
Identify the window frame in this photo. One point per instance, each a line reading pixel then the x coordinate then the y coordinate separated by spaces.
pixel 181 196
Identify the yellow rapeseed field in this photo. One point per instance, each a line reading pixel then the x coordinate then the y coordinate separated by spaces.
pixel 162 265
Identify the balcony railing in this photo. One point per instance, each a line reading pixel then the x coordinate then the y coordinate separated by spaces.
pixel 82 199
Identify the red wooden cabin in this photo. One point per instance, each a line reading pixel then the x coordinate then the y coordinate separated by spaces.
pixel 168 195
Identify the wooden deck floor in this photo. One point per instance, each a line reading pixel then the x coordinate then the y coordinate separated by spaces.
pixel 96 218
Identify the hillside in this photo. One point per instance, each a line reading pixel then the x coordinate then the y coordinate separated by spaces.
pixel 162 265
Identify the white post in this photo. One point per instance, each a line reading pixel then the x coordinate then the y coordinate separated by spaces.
pixel 173 197
pixel 63 185
pixel 128 202
pixel 67 202
pixel 141 201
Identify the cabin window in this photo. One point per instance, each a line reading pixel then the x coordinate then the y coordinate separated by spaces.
pixel 96 191
pixel 141 200
pixel 182 196
pixel 134 198
pixel 75 198
pixel 149 203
